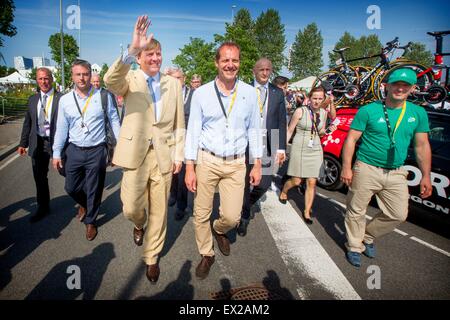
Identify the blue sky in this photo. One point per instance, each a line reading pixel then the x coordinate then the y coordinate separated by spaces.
pixel 107 24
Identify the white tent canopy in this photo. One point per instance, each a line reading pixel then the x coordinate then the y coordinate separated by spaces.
pixel 14 78
pixel 303 84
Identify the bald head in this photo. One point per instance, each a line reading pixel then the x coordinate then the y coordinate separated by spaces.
pixel 262 70
pixel 95 81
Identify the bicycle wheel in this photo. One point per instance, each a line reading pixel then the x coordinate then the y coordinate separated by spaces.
pixel 337 80
pixel 423 82
pixel 365 94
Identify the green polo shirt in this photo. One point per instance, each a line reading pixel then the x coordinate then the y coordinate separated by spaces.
pixel 375 148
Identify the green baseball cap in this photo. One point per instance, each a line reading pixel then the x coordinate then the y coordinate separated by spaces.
pixel 405 75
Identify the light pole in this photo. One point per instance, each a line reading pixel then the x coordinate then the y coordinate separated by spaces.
pixel 62 45
pixel 232 12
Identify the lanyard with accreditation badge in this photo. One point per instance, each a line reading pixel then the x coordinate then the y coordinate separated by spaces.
pixel 83 124
pixel 46 115
pixel 230 107
pixel 388 123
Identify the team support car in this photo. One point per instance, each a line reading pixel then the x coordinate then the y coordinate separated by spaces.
pixel 438 203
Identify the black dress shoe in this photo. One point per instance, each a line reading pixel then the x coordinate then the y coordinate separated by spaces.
pixel 307 220
pixel 242 227
pixel 40 214
pixel 152 273
pixel 283 201
pixel 138 236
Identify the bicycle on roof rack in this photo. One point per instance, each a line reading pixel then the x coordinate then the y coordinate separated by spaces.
pixel 429 87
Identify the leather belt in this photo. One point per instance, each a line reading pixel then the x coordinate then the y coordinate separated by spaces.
pixel 90 147
pixel 231 157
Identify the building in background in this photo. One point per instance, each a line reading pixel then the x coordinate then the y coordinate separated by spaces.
pixel 40 62
pixel 22 63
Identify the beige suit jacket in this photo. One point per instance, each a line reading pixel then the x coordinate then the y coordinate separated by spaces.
pixel 139 129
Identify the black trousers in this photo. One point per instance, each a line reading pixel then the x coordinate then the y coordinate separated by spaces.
pixel 40 161
pixel 85 177
pixel 251 197
pixel 178 189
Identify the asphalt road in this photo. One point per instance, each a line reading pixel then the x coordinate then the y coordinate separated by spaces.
pixel 280 252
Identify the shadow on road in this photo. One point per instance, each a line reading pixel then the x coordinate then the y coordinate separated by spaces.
pixel 92 267
pixel 180 289
pixel 19 237
pixel 271 283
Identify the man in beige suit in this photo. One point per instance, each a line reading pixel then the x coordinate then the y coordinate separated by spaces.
pixel 151 141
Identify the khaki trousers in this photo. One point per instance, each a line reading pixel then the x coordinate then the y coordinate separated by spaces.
pixel 229 176
pixel 391 190
pixel 146 188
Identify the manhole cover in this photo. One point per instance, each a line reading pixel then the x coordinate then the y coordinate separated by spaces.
pixel 246 293
pixel 255 293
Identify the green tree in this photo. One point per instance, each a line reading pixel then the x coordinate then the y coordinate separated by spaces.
pixel 102 73
pixel 270 38
pixel 358 48
pixel 368 46
pixel 347 40
pixel 71 52
pixel 5 71
pixel 32 74
pixel 243 19
pixel 197 57
pixel 306 54
pixel 7 8
pixel 245 38
pixel 418 53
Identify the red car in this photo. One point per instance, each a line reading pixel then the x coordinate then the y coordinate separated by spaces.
pixel 439 202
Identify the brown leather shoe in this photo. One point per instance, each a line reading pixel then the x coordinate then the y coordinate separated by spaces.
pixel 138 236
pixel 91 232
pixel 81 213
pixel 152 273
pixel 202 270
pixel 222 242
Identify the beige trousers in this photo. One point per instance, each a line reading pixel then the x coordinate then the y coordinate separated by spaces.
pixel 391 190
pixel 229 176
pixel 145 188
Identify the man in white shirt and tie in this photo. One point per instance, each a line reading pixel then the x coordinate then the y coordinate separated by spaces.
pixel 272 108
pixel 37 135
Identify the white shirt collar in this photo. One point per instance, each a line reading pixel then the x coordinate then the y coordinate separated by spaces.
pixel 49 93
pixel 257 84
pixel 156 77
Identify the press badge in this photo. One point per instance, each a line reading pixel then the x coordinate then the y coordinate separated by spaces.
pixel 47 128
pixel 84 128
pixel 310 143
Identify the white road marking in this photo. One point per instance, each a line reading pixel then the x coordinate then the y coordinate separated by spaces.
pixel 430 246
pixel 9 161
pixel 302 252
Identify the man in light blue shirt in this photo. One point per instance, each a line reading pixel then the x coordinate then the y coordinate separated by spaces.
pixel 81 122
pixel 224 119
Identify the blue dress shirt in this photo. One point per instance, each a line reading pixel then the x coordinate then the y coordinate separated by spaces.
pixel 70 122
pixel 208 128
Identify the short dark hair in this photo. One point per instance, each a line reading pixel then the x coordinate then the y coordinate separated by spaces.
pixel 81 62
pixel 228 44
pixel 280 81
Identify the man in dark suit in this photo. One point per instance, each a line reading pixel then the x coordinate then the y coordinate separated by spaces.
pixel 37 135
pixel 272 109
pixel 178 189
